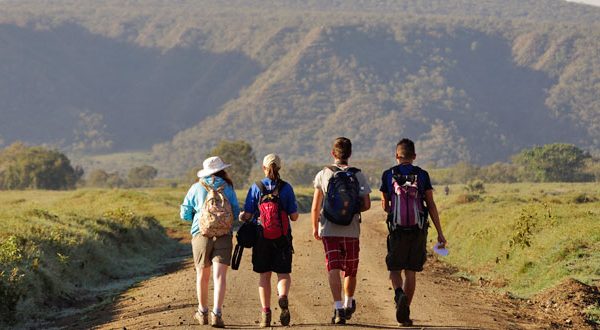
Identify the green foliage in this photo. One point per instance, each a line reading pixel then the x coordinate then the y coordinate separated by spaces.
pixel 68 246
pixel 141 176
pixel 23 167
pixel 97 178
pixel 475 187
pixel 241 157
pixel 467 198
pixel 526 236
pixel 552 162
pixel 300 173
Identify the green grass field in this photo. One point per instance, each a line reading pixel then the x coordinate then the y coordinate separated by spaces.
pixel 524 237
pixel 59 248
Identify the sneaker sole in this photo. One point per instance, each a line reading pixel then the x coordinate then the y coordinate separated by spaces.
pixel 285 316
pixel 402 310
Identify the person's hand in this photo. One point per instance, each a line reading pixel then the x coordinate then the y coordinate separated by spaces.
pixel 241 217
pixel 316 234
pixel 442 241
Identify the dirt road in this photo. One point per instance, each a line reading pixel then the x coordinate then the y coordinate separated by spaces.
pixel 441 301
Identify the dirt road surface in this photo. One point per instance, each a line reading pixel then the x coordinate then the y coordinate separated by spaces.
pixel 441 301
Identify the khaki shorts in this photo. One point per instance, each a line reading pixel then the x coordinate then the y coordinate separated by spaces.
pixel 208 250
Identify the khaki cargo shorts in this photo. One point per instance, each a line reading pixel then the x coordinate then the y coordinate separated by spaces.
pixel 207 250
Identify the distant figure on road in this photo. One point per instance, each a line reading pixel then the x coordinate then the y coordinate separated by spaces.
pixel 446 190
pixel 341 193
pixel 211 205
pixel 272 203
pixel 407 197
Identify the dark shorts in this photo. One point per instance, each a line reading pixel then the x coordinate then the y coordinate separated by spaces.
pixel 406 250
pixel 272 255
pixel 342 253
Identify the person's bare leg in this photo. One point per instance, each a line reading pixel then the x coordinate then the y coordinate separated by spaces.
pixel 202 278
pixel 335 284
pixel 284 282
pixel 349 286
pixel 396 278
pixel 410 282
pixel 220 284
pixel 264 289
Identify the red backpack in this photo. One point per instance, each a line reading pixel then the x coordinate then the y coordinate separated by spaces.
pixel 273 219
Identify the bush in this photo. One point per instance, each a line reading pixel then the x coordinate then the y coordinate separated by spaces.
pixel 23 167
pixel 240 155
pixel 553 162
pixel 467 198
pixel 141 176
pixel 475 187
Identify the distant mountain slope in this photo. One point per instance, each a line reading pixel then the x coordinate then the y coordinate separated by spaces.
pixel 469 80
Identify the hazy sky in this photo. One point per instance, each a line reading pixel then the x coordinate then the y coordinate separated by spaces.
pixel 590 2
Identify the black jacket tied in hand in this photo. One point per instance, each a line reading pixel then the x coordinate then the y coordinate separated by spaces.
pixel 246 237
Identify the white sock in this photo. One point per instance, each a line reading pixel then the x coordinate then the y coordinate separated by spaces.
pixel 216 311
pixel 338 304
pixel 203 310
pixel 348 302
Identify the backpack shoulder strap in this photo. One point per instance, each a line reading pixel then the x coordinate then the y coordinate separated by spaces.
pixel 280 184
pixel 332 168
pixel 206 185
pixel 353 170
pixel 261 187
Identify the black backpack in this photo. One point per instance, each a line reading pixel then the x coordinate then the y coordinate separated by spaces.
pixel 342 200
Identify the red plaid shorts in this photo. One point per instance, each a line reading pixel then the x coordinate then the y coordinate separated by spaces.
pixel 342 253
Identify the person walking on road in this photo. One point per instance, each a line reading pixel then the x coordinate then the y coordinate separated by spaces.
pixel 211 205
pixel 271 202
pixel 341 193
pixel 407 197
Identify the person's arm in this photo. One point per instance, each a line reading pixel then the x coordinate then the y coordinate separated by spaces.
pixel 251 203
pixel 289 202
pixel 365 203
pixel 315 211
pixel 385 202
pixel 188 207
pixel 434 215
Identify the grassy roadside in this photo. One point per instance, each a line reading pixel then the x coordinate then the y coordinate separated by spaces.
pixel 524 238
pixel 63 249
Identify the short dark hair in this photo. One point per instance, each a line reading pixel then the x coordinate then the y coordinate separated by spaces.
pixel 342 148
pixel 405 149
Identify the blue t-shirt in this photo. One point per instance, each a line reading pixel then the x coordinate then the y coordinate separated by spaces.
pixel 287 198
pixel 424 183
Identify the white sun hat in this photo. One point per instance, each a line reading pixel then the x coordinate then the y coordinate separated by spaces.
pixel 211 166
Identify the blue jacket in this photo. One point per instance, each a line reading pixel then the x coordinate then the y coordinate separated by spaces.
pixel 194 199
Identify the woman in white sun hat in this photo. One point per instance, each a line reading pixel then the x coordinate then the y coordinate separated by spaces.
pixel 211 206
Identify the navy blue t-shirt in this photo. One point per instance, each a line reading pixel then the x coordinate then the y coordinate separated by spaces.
pixel 286 197
pixel 424 183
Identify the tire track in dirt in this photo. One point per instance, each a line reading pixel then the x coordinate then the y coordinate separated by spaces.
pixel 441 301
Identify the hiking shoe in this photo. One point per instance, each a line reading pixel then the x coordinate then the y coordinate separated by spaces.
pixel 407 323
pixel 402 308
pixel 339 316
pixel 350 310
pixel 216 320
pixel 201 317
pixel 285 316
pixel 265 319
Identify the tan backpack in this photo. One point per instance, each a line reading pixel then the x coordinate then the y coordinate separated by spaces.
pixel 216 218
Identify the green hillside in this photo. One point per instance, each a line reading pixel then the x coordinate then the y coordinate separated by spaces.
pixel 468 80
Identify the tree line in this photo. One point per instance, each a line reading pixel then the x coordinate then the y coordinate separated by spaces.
pixel 36 167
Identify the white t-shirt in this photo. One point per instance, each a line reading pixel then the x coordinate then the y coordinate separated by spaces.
pixel 327 228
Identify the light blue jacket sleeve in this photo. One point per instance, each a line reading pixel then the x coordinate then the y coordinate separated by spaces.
pixel 235 206
pixel 188 207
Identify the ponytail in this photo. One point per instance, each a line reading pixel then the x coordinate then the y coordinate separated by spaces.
pixel 273 172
